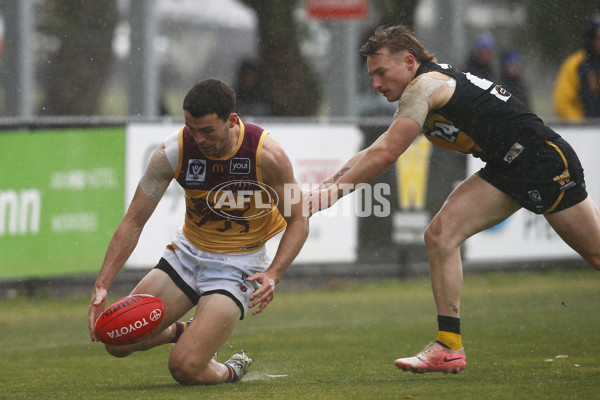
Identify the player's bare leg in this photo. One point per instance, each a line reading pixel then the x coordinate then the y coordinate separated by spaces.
pixel 473 206
pixel 579 227
pixel 191 361
pixel 157 283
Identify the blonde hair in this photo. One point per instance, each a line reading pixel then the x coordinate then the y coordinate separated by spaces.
pixel 396 38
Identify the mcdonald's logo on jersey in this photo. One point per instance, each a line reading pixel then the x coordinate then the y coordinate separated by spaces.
pixel 412 171
pixel 218 168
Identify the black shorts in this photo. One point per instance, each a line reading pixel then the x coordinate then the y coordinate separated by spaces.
pixel 545 177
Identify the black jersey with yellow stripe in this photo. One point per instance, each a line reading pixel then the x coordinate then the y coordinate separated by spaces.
pixel 481 118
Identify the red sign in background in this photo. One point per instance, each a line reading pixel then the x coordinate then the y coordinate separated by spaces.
pixel 337 9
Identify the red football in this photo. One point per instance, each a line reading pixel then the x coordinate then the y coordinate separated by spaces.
pixel 130 319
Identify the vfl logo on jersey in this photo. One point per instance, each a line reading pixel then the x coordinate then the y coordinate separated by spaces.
pixel 196 172
pixel 239 166
pixel 535 195
pixel 514 152
pixel 564 180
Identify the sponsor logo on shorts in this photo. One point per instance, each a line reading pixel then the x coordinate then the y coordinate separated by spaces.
pixel 564 180
pixel 535 195
pixel 171 247
pixel 513 153
pixel 242 287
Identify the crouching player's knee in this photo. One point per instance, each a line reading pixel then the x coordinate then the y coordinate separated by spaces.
pixel 185 371
pixel 188 370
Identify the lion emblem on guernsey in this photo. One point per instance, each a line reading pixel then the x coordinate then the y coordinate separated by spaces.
pixel 202 214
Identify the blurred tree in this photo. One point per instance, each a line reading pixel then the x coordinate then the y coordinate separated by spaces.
pixel 557 26
pixel 288 79
pixel 281 58
pixel 75 73
pixel 394 12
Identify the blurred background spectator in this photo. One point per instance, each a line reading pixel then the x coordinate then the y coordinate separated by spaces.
pixel 252 98
pixel 482 57
pixel 511 76
pixel 577 89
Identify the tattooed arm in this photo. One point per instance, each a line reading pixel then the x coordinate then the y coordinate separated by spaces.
pixel 335 177
pixel 366 165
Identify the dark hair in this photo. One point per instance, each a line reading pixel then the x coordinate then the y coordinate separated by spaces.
pixel 210 96
pixel 396 39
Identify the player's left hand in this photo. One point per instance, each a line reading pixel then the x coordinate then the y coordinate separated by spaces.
pixel 97 304
pixel 263 295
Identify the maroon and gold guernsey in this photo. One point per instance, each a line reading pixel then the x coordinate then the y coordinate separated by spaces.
pixel 228 207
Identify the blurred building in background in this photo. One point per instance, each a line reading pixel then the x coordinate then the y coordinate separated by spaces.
pixel 159 48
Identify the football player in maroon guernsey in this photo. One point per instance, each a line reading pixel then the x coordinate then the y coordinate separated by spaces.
pixel 240 191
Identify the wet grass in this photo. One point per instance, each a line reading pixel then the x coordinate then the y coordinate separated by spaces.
pixel 526 334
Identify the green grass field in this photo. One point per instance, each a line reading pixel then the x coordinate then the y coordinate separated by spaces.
pixel 527 335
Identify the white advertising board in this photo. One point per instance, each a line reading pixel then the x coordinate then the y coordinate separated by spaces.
pixel 525 235
pixel 140 141
pixel 316 152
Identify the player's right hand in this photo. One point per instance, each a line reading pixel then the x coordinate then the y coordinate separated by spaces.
pixel 321 199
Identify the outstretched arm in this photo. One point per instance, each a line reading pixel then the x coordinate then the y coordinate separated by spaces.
pixel 334 178
pixel 367 164
pixel 278 174
pixel 149 191
pixel 427 92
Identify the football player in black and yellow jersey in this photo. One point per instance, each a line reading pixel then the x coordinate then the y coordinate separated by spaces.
pixel 240 191
pixel 527 165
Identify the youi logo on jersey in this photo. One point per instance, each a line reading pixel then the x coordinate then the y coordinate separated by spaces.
pixel 239 165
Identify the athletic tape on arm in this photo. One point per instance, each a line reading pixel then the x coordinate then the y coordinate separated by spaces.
pixel 414 103
pixel 158 175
